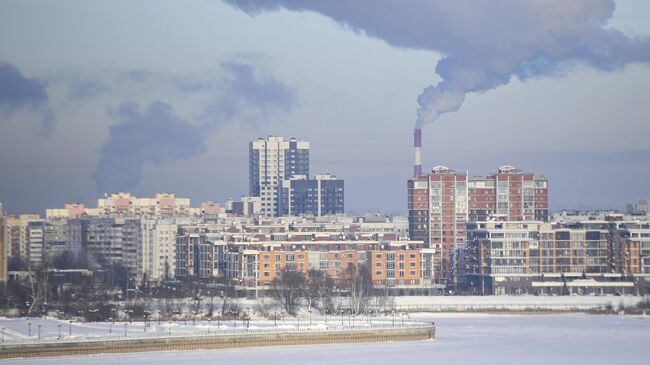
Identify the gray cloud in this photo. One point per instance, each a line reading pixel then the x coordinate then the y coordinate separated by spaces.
pixel 19 93
pixel 157 136
pixel 154 135
pixel 246 96
pixel 86 89
pixel 483 43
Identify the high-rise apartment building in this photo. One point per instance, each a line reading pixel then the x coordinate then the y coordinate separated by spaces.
pixel 16 234
pixel 438 213
pixel 157 255
pixel 323 195
pixel 442 202
pixel 511 194
pixel 273 160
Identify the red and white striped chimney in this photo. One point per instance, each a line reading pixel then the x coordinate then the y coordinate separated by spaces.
pixel 417 143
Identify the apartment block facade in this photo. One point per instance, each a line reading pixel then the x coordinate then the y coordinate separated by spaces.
pixel 271 161
pixel 532 257
pixel 511 194
pixel 4 250
pixel 161 205
pixel 323 195
pixel 438 215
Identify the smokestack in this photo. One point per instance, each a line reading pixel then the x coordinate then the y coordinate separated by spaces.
pixel 417 144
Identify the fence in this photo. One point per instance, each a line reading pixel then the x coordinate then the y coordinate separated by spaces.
pixel 219 338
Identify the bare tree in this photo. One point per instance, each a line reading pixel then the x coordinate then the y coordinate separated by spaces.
pixel 358 283
pixel 320 289
pixel 289 289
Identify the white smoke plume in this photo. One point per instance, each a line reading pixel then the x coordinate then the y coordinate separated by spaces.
pixel 483 43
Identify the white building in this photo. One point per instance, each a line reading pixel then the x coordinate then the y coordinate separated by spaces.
pixel 273 160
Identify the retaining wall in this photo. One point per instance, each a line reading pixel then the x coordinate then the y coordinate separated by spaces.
pixel 218 341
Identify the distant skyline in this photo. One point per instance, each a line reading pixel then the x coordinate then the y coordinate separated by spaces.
pixel 164 96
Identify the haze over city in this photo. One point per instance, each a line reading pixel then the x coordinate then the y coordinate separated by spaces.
pixel 162 96
pixel 324 181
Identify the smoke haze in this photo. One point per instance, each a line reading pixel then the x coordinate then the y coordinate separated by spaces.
pixel 483 43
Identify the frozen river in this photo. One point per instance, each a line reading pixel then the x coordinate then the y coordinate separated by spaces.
pixel 461 339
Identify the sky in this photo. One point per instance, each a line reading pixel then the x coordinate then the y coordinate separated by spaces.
pixel 164 96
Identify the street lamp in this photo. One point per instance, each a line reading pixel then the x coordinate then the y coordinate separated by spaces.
pixel 60 330
pixel 146 316
pixel 110 325
pixel 39 331
pixel 70 329
pixel 393 313
pixel 29 329
pixel 125 324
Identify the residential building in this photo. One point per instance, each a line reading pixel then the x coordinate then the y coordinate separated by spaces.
pixel 194 256
pixel 640 207
pixel 510 194
pixel 127 205
pixel 35 243
pixel 271 161
pixel 438 214
pixel 4 249
pixel 323 195
pixel 158 252
pixel 17 234
pixel 247 206
pixel 533 257
pixel 70 211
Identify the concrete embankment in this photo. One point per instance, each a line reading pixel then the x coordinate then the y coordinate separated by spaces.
pixel 218 341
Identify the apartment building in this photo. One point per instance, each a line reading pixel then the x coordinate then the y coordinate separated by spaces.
pixel 161 205
pixel 511 194
pixel 438 214
pixel 271 161
pixel 4 250
pixel 532 257
pixel 323 195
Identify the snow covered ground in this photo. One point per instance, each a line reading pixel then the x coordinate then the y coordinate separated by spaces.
pixel 40 330
pixel 461 339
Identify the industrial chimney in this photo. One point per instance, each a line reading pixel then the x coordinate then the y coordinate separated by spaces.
pixel 417 143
